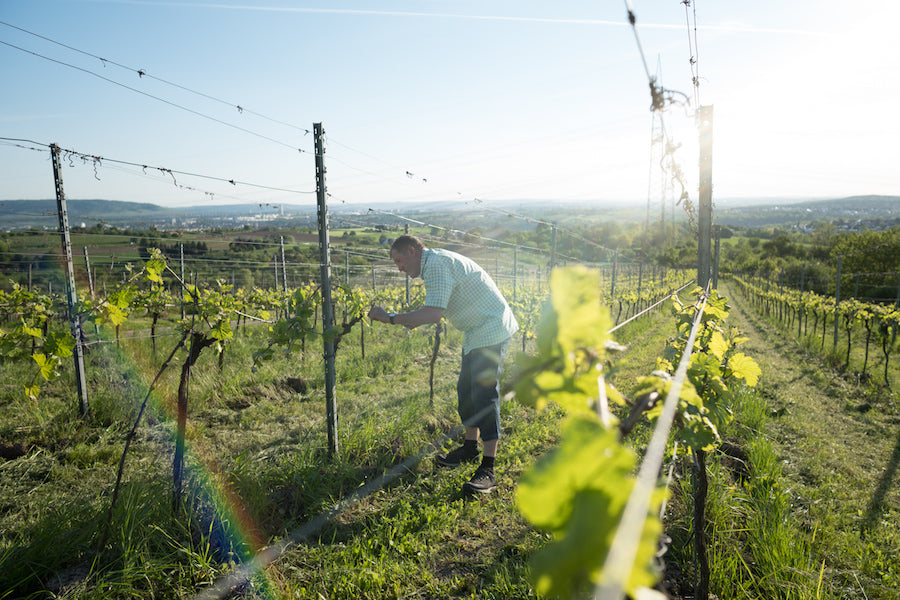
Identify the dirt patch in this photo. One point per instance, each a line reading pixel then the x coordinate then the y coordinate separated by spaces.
pixel 12 451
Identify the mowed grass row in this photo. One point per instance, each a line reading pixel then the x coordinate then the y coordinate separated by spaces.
pixel 835 437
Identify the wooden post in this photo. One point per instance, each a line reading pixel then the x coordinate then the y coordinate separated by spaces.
pixel 71 292
pixel 275 272
pixel 327 308
pixel 90 278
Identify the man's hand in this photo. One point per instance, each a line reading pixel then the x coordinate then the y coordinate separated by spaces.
pixel 377 313
pixel 410 320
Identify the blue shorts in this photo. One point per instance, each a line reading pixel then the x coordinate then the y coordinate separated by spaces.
pixel 478 389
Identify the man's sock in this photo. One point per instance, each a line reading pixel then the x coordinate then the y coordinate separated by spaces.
pixel 471 447
pixel 487 463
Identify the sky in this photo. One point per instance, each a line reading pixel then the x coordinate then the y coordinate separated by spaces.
pixel 445 100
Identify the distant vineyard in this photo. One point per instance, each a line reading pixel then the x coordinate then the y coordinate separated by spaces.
pixel 853 327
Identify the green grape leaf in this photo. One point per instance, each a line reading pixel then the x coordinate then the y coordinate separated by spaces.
pixel 578 319
pixel 697 429
pixel 46 364
pixel 744 367
pixel 34 332
pixel 718 345
pixel 221 331
pixel 578 492
pixel 61 344
pixel 115 315
pixel 121 298
pixel 545 493
pixel 703 366
pixel 716 307
pixel 717 401
pixel 32 391
pixel 155 266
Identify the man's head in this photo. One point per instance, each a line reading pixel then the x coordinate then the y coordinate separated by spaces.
pixel 406 252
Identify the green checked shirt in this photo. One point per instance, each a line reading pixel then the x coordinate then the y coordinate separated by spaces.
pixel 470 298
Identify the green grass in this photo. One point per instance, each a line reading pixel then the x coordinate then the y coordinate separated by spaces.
pixel 839 462
pixel 259 472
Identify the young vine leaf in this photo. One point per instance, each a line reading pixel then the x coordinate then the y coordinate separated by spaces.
pixel 572 340
pixel 578 491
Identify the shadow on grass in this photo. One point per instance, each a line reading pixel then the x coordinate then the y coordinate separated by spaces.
pixel 876 505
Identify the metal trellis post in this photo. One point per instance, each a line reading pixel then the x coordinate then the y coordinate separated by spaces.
pixel 327 308
pixel 704 220
pixel 837 298
pixel 181 287
pixel 71 292
pixel 283 268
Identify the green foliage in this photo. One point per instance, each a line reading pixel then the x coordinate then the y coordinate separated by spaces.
pixel 578 493
pixel 715 365
pixel 879 321
pixel 572 337
pixel 295 327
pixel 869 251
pixel 299 322
pixel 36 332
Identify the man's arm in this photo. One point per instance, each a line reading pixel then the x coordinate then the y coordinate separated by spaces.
pixel 410 320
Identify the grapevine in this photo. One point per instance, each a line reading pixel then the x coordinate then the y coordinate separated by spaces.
pixel 578 492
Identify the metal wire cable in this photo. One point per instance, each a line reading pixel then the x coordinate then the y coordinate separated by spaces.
pixel 649 308
pixel 142 73
pixel 693 47
pixel 239 107
pixel 157 98
pixel 98 161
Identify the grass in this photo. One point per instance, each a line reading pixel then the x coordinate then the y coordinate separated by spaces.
pixel 839 463
pixel 259 470
pixel 784 518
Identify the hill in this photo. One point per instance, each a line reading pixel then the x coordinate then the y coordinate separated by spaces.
pixel 874 211
pixel 20 214
pixel 42 213
pixel 871 209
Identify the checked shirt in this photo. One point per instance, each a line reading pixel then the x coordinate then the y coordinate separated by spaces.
pixel 470 298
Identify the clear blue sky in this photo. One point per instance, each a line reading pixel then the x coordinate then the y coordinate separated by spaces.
pixel 489 99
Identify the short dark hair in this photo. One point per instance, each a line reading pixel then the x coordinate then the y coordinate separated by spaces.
pixel 405 242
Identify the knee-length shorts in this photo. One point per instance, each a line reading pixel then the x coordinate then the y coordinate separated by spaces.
pixel 478 389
